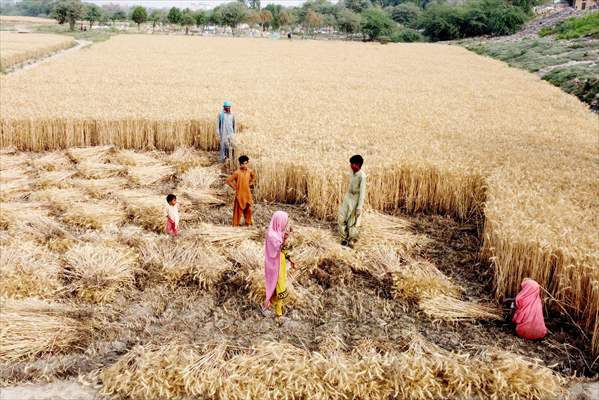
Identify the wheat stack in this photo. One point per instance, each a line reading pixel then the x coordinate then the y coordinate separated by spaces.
pixel 99 188
pixel 310 246
pixel 53 178
pixel 221 235
pixel 447 308
pixel 93 215
pixel 14 183
pixel 184 262
pixel 150 174
pixel 420 280
pixel 28 270
pixel 58 199
pixel 96 170
pixel 186 158
pixel 32 328
pixel 145 208
pixel 17 213
pixel 196 185
pixel 95 154
pixel 51 161
pixel 248 255
pixel 134 158
pixel 96 272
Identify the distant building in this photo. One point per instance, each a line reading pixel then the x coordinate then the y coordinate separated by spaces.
pixel 584 4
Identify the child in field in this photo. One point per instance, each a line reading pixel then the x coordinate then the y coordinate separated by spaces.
pixel 276 260
pixel 242 181
pixel 171 212
pixel 353 203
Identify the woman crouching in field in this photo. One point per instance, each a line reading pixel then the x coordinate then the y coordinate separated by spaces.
pixel 275 263
pixel 528 311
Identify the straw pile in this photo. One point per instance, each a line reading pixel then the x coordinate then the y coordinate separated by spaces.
pixel 51 161
pixel 248 255
pixel 14 183
pixel 96 272
pixel 309 247
pixel 28 270
pixel 134 158
pixel 218 235
pixel 145 208
pixel 419 280
pixel 96 170
pixel 184 262
pixel 96 154
pixel 185 158
pixel 93 215
pixel 196 185
pixel 277 370
pixel 32 328
pixel 99 188
pixel 448 308
pixel 53 178
pixel 58 199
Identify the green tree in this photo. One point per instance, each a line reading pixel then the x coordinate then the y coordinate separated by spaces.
pixel 275 11
pixel 358 5
pixel 284 19
pixel 34 8
pixel 349 21
pixel 118 15
pixel 139 16
pixel 406 13
pixel 376 23
pixel 406 35
pixel 265 19
pixel 68 11
pixel 312 20
pixel 155 17
pixel 174 15
pixel 201 18
pixel 232 14
pixel 92 14
pixel 187 20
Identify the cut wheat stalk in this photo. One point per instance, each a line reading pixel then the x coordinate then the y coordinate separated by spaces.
pixel 96 170
pixel 222 235
pixel 96 154
pixel 93 215
pixel 419 280
pixel 447 308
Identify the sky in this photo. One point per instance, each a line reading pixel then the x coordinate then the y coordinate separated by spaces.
pixel 193 4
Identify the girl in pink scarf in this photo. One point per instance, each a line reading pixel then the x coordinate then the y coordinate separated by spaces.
pixel 275 262
pixel 528 318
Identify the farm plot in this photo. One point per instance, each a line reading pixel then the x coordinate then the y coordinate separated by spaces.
pixel 92 289
pixel 17 48
pixel 442 130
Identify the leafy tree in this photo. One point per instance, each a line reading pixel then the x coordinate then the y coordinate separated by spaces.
pixel 442 22
pixel 349 21
pixel 68 11
pixel 275 10
pixel 406 35
pixel 92 14
pixel 216 16
pixel 266 19
pixel 358 5
pixel 118 15
pixel 174 15
pixel 406 13
pixel 376 23
pixel 187 20
pixel 232 14
pixel 34 8
pixel 201 18
pixel 155 17
pixel 312 20
pixel 284 18
pixel 139 16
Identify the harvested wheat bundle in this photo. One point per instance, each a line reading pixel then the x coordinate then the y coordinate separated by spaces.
pixel 134 158
pixel 28 270
pixel 379 228
pixel 200 178
pixel 256 291
pixel 184 262
pixel 14 160
pixel 201 197
pixel 185 158
pixel 96 170
pixel 14 183
pixel 53 161
pixel 15 213
pixel 96 272
pixel 58 199
pixel 309 246
pixel 95 154
pixel 53 178
pixel 32 328
pixel 222 235
pixel 150 174
pixel 94 215
pixel 99 187
pixel 145 208
pixel 421 279
pixel 249 255
pixel 448 308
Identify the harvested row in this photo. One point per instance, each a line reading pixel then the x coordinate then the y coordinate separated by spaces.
pixel 271 370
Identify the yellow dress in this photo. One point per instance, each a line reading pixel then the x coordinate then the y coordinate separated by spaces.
pixel 281 289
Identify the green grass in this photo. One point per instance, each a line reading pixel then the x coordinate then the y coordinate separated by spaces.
pixel 581 81
pixel 89 35
pixel 574 28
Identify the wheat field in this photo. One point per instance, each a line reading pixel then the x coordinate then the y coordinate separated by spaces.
pixel 16 48
pixel 442 131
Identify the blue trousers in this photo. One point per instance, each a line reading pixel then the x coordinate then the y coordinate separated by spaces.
pixel 225 149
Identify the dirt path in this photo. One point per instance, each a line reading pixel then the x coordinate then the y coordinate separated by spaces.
pixel 62 53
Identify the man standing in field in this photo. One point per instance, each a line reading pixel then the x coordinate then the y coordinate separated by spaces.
pixel 353 203
pixel 225 129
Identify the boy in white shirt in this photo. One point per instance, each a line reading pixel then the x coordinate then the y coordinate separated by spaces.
pixel 171 212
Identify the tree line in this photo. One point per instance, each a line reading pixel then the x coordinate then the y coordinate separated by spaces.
pixel 383 20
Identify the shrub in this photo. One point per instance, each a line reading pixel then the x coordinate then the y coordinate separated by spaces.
pixel 406 13
pixel 376 23
pixel 407 35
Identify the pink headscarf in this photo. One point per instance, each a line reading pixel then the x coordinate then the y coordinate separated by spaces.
pixel 272 252
pixel 529 311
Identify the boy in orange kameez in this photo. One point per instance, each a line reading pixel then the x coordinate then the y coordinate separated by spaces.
pixel 244 179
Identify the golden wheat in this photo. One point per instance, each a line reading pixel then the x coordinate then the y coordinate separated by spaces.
pixel 17 48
